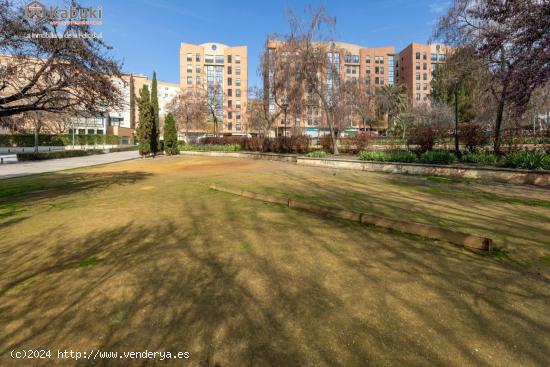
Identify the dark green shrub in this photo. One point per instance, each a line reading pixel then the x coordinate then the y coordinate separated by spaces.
pixel 326 143
pixel 211 148
pixel 437 157
pixel 528 160
pixel 253 144
pixel 422 136
pixel 480 158
pixel 317 154
pixel 473 136
pixel 356 143
pixel 123 149
pixel 56 155
pixel 391 156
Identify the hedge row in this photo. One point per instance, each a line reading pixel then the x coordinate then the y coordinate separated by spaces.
pixel 522 159
pixel 27 140
pixel 292 144
pixel 55 155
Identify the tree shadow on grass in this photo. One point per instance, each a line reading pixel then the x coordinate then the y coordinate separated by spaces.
pixel 304 291
pixel 16 193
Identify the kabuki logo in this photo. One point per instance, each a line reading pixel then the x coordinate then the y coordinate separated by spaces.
pixel 35 11
pixel 38 12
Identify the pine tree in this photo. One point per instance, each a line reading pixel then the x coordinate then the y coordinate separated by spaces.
pixel 170 135
pixel 146 122
pixel 155 144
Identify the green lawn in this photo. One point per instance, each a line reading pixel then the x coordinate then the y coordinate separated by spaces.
pixel 142 255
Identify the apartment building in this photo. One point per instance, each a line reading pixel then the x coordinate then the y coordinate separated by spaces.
pixel 166 91
pixel 375 66
pixel 414 67
pixel 222 71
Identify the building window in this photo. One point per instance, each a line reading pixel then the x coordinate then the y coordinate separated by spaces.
pixel 238 103
pixel 424 55
pixel 432 67
pixel 229 124
pixel 189 56
pixel 99 132
pixel 379 60
pixel 425 86
pixel 441 57
pixel 418 55
pixel 230 116
pixel 238 115
pixel 229 59
pixel 418 96
pixel 230 92
pixel 237 93
pixel 433 57
pixel 189 68
pixel 390 70
pixel 376 79
pixel 238 82
pixel 417 76
pixel 219 59
pixel 381 70
pixel 238 126
pixel 425 76
pixel 417 86
pixel 229 70
pixel 238 59
pixel 198 57
pixel 424 66
pixel 368 69
pixel 209 59
pixel 238 70
pixel 417 66
pixel 367 59
pixel 198 80
pixel 229 103
pixel 198 69
pixel 189 80
pixel 229 81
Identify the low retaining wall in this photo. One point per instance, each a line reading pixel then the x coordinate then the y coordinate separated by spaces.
pixel 515 176
pixel 458 238
pixel 505 175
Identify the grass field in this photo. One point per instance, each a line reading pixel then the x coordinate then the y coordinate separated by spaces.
pixel 142 255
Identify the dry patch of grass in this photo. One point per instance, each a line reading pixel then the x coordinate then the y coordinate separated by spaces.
pixel 142 255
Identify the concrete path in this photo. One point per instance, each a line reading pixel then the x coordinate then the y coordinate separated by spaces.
pixel 52 165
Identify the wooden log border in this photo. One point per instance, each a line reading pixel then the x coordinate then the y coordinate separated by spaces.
pixel 458 238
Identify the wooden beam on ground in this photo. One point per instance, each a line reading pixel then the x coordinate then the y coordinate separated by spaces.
pixel 459 238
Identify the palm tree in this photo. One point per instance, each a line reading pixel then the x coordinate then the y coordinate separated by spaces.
pixel 391 100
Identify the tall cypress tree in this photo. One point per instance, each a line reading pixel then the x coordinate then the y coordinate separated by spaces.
pixel 170 135
pixel 155 144
pixel 146 122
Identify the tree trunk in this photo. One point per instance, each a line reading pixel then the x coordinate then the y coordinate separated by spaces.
pixel 498 121
pixel 457 148
pixel 36 128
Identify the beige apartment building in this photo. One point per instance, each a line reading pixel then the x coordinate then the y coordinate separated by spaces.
pixel 223 71
pixel 414 66
pixel 354 62
pixel 166 91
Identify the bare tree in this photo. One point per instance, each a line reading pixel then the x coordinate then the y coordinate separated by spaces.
pixel 214 100
pixel 261 116
pixel 512 39
pixel 309 50
pixel 58 73
pixel 189 108
pixel 360 101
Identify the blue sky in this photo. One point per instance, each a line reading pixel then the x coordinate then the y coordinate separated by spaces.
pixel 146 34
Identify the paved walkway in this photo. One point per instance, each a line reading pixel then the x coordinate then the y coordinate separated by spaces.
pixel 52 165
